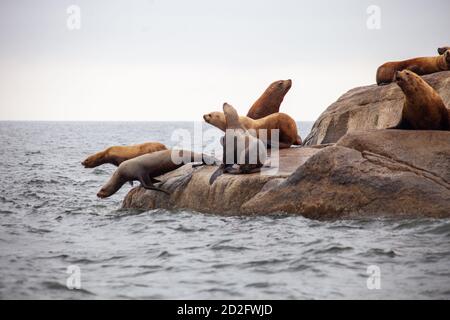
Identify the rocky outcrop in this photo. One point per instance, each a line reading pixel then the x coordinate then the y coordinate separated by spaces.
pixel 368 108
pixel 379 173
pixel 349 169
pixel 190 187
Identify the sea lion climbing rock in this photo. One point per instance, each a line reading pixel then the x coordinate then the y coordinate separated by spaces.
pixel 270 100
pixel 420 66
pixel 117 154
pixel 146 167
pixel 239 148
pixel 423 108
pixel 288 132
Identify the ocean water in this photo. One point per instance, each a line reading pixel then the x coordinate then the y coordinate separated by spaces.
pixel 51 221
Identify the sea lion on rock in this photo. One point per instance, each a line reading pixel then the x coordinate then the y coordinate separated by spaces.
pixel 270 100
pixel 423 108
pixel 239 147
pixel 146 167
pixel 117 154
pixel 420 66
pixel 443 49
pixel 288 134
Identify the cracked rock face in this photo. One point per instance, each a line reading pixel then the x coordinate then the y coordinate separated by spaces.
pixel 363 172
pixel 394 173
pixel 368 108
pixel 381 173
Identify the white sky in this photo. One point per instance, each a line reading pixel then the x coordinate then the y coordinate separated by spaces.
pixel 176 60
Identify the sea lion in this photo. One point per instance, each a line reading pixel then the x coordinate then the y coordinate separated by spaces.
pixel 148 166
pixel 423 108
pixel 117 154
pixel 239 147
pixel 270 100
pixel 443 49
pixel 420 66
pixel 288 134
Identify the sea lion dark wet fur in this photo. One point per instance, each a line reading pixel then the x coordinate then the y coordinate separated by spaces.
pixel 145 168
pixel 239 148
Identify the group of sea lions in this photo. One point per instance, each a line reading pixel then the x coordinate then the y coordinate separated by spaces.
pixel 423 108
pixel 247 138
pixel 144 162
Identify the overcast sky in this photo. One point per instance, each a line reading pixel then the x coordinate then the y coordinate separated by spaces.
pixel 176 60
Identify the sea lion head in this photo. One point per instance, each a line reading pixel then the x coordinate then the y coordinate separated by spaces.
pixel 281 86
pixel 408 81
pixel 112 186
pixel 91 161
pixel 442 50
pixel 216 119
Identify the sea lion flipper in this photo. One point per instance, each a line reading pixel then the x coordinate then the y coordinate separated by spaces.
pixel 158 189
pixel 216 174
pixel 415 69
pixel 148 185
pixel 402 125
pixel 154 180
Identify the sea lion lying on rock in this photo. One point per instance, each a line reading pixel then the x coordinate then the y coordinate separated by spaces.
pixel 146 167
pixel 239 147
pixel 423 108
pixel 117 154
pixel 288 134
pixel 270 100
pixel 420 66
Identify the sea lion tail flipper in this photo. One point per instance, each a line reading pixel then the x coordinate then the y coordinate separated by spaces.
pixel 154 180
pixel 146 182
pixel 416 69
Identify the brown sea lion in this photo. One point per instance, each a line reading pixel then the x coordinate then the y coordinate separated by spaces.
pixel 239 148
pixel 270 100
pixel 148 166
pixel 443 49
pixel 423 108
pixel 420 66
pixel 288 134
pixel 117 154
